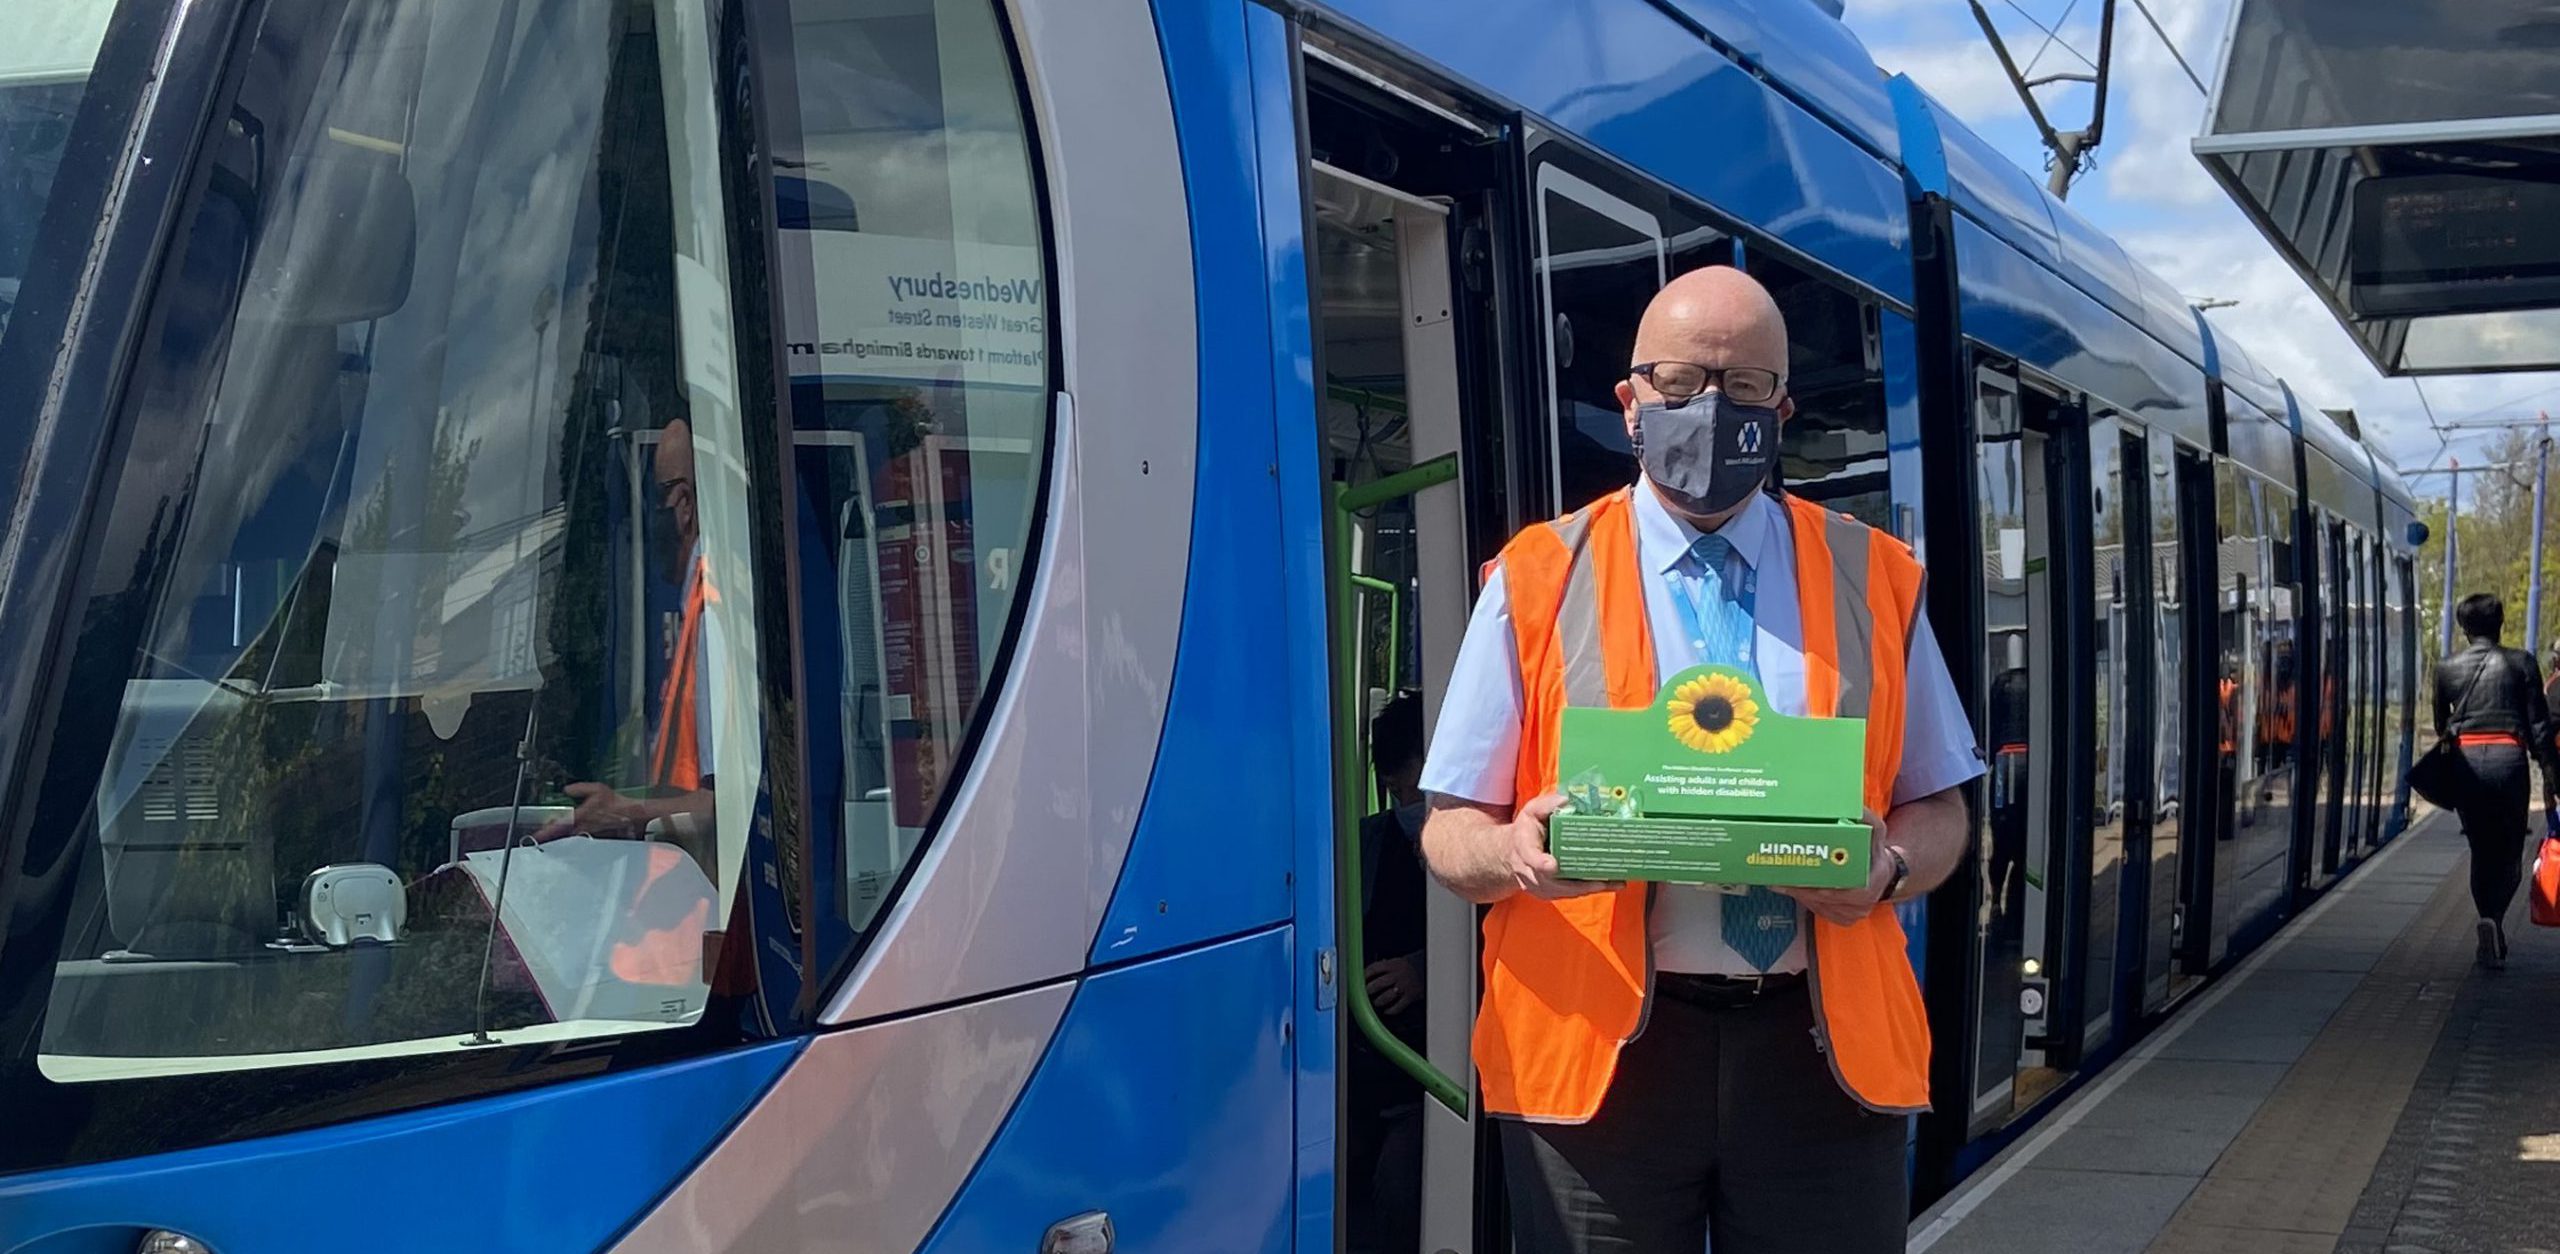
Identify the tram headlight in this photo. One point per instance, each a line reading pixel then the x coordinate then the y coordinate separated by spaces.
pixel 2032 967
pixel 163 1241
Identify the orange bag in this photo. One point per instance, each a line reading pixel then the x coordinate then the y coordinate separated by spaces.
pixel 2546 883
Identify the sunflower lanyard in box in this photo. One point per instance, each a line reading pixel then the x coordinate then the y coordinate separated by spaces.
pixel 1710 785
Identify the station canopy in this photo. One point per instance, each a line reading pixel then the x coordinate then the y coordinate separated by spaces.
pixel 2405 157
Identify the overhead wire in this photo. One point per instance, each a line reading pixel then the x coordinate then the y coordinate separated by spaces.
pixel 2050 33
pixel 2049 37
pixel 2172 46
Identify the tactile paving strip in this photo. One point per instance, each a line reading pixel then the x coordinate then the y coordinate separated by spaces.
pixel 2289 1182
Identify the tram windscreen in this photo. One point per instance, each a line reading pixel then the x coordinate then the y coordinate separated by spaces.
pixel 442 730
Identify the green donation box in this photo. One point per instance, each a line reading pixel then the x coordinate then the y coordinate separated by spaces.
pixel 1708 785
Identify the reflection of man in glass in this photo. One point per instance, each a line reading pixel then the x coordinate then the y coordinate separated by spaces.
pixel 2227 760
pixel 680 765
pixel 2009 762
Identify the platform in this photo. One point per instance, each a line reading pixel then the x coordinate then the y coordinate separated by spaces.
pixel 2356 1085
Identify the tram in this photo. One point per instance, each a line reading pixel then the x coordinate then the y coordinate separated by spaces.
pixel 757 625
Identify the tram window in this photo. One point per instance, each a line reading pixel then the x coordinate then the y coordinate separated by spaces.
pixel 443 725
pixel 1601 257
pixel 917 325
pixel 43 79
pixel 1834 449
pixel 2260 517
pixel 1600 261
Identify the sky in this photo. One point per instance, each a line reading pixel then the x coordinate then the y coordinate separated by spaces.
pixel 2149 191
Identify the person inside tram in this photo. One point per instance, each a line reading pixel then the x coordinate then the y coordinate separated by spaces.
pixel 679 787
pixel 676 803
pixel 2490 701
pixel 1384 1138
pixel 1651 1053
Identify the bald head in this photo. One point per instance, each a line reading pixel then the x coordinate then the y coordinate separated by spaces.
pixel 1714 316
pixel 672 470
pixel 674 460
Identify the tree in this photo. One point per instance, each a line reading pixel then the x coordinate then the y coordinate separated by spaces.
pixel 2495 553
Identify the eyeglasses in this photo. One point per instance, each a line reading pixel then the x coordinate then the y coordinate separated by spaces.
pixel 1684 380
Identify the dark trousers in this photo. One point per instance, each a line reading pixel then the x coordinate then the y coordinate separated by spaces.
pixel 1722 1123
pixel 2494 822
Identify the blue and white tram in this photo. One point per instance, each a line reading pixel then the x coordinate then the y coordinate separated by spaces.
pixel 753 624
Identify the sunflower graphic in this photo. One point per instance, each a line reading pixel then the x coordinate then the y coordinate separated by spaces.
pixel 1713 713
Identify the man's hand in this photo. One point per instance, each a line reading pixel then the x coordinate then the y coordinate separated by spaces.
pixel 1846 906
pixel 601 811
pixel 1395 984
pixel 1483 856
pixel 1532 868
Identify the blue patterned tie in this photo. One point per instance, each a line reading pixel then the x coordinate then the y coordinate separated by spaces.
pixel 1758 925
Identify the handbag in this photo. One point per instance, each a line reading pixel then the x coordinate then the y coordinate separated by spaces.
pixel 2545 893
pixel 2442 775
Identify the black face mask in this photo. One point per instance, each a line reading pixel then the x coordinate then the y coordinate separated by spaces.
pixel 1709 455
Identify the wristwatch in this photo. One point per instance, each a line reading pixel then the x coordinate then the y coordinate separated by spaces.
pixel 1901 872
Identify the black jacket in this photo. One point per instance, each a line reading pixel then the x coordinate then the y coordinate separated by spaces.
pixel 2485 689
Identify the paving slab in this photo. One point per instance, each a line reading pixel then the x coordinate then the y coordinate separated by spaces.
pixel 2040 1209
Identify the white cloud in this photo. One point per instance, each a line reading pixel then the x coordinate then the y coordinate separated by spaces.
pixel 1962 73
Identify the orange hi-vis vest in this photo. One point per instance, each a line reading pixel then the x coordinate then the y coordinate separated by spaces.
pixel 675 761
pixel 1567 983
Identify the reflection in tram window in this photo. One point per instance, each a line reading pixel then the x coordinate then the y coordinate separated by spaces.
pixel 2256 619
pixel 35 126
pixel 2008 786
pixel 2170 821
pixel 1834 447
pixel 2111 666
pixel 919 409
pixel 1601 257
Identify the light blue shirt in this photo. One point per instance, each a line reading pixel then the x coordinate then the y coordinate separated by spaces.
pixel 1477 743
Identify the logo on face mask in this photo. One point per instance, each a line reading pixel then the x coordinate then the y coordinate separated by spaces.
pixel 1748 439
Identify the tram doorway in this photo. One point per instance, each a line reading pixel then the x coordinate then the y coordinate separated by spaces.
pixel 1388 355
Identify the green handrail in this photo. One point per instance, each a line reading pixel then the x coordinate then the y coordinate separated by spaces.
pixel 1350 747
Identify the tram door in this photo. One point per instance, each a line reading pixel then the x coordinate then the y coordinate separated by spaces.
pixel 2120 663
pixel 2012 929
pixel 2161 857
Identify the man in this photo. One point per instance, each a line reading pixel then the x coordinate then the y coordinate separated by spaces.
pixel 1669 1067
pixel 670 936
pixel 680 763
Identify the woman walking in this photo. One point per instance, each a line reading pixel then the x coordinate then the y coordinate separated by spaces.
pixel 2490 700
